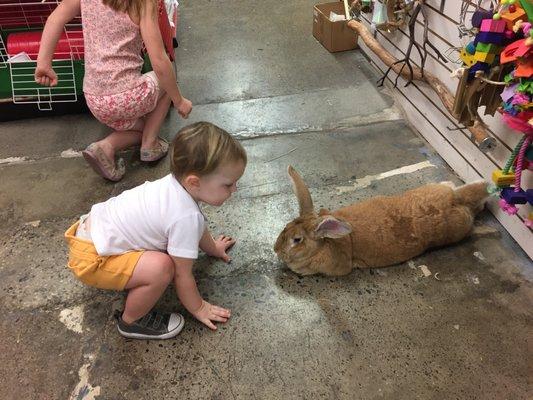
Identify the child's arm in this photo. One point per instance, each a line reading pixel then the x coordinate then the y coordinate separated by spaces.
pixel 158 57
pixel 189 296
pixel 216 248
pixel 65 12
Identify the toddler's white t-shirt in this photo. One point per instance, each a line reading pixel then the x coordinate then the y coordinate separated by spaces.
pixel 158 215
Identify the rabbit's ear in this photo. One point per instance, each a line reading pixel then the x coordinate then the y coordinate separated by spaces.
pixel 332 228
pixel 301 191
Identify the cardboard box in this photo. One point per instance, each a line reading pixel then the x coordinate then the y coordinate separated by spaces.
pixel 334 36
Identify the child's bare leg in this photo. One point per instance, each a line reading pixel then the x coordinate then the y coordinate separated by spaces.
pixel 120 140
pixel 153 273
pixel 153 122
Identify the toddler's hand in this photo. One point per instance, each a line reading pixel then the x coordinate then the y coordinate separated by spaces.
pixel 222 244
pixel 208 312
pixel 45 76
pixel 184 107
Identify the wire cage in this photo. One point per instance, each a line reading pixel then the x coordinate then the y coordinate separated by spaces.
pixel 21 25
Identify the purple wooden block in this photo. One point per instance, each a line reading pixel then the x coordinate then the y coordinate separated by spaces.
pixel 489 37
pixel 479 16
pixel 513 197
pixel 529 196
pixel 479 66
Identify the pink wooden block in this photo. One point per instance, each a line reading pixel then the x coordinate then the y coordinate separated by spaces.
pixel 492 25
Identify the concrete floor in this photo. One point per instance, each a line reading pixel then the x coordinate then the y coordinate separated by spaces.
pixel 374 334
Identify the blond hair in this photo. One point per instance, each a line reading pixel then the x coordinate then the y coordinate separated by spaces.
pixel 201 148
pixel 131 7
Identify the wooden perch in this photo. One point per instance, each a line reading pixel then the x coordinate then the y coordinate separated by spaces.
pixel 383 54
pixel 478 130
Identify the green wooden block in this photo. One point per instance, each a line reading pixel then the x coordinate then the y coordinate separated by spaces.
pixel 527 5
pixel 490 48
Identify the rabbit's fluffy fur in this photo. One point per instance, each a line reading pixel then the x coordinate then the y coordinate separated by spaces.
pixel 384 230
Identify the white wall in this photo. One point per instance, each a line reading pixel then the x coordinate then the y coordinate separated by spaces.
pixel 427 114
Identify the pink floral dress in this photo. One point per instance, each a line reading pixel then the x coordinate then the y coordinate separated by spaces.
pixel 116 92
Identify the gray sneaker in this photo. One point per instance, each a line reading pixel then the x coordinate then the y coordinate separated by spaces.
pixel 154 325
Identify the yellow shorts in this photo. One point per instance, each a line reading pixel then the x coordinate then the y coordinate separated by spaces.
pixel 110 272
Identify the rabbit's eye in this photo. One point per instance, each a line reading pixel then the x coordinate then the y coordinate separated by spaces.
pixel 297 240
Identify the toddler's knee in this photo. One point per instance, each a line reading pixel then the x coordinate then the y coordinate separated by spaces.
pixel 168 268
pixel 165 268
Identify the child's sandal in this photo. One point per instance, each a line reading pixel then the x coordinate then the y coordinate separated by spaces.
pixel 150 155
pixel 102 164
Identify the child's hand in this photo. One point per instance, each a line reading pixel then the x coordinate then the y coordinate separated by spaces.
pixel 222 244
pixel 45 76
pixel 208 312
pixel 184 107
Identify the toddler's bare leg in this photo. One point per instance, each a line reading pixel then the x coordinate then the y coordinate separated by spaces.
pixel 153 122
pixel 153 273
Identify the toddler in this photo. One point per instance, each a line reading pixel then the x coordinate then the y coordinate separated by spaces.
pixel 147 237
pixel 118 95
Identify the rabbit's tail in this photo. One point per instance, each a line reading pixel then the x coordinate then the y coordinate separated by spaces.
pixel 473 195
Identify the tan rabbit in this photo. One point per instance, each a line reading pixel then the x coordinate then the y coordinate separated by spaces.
pixel 384 230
